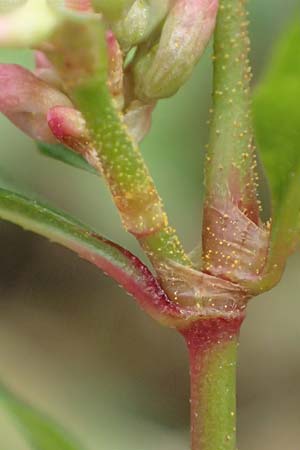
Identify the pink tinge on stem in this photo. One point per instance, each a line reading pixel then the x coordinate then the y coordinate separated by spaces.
pixel 202 334
pixel 115 69
pixel 212 346
pixel 25 100
pixel 144 288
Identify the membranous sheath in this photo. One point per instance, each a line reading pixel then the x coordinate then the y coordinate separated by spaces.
pixel 236 248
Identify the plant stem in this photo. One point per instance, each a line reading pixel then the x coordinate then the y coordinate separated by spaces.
pixel 84 74
pixel 231 150
pixel 235 242
pixel 128 178
pixel 212 345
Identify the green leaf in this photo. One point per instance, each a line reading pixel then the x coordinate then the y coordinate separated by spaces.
pixel 41 432
pixel 114 260
pixel 65 155
pixel 277 124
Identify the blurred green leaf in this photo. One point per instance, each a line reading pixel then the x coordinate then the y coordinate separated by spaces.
pixel 63 154
pixel 108 256
pixel 65 230
pixel 277 123
pixel 40 431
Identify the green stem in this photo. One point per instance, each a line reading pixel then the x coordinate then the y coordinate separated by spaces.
pixel 212 345
pixel 230 169
pixel 128 178
pixel 235 243
pixel 85 77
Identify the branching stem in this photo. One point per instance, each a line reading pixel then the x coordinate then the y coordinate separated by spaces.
pixel 128 178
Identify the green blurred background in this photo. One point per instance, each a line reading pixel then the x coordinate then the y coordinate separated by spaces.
pixel 74 344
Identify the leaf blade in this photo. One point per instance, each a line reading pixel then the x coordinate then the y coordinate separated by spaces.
pixel 41 432
pixel 61 153
pixel 114 260
pixel 276 110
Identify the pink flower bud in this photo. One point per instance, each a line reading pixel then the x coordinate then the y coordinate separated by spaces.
pixel 74 5
pixel 41 110
pixel 79 5
pixel 187 30
pixel 141 20
pixel 69 127
pixel 26 100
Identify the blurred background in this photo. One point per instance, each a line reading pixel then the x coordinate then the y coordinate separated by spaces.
pixel 75 345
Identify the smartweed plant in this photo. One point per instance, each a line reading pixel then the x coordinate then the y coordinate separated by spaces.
pixel 101 68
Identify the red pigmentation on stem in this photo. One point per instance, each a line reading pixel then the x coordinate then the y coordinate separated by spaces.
pixel 212 345
pixel 203 334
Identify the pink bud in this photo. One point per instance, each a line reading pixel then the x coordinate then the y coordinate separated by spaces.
pixel 79 5
pixel 75 5
pixel 26 100
pixel 69 127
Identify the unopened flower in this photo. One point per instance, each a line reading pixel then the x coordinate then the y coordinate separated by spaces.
pixel 140 21
pixel 69 127
pixel 161 71
pixel 25 100
pixel 69 33
pixel 76 5
pixel 35 103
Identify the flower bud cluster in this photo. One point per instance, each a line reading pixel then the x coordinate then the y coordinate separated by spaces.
pixel 168 37
pixel 152 48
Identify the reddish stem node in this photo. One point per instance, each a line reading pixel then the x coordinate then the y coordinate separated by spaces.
pixel 212 345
